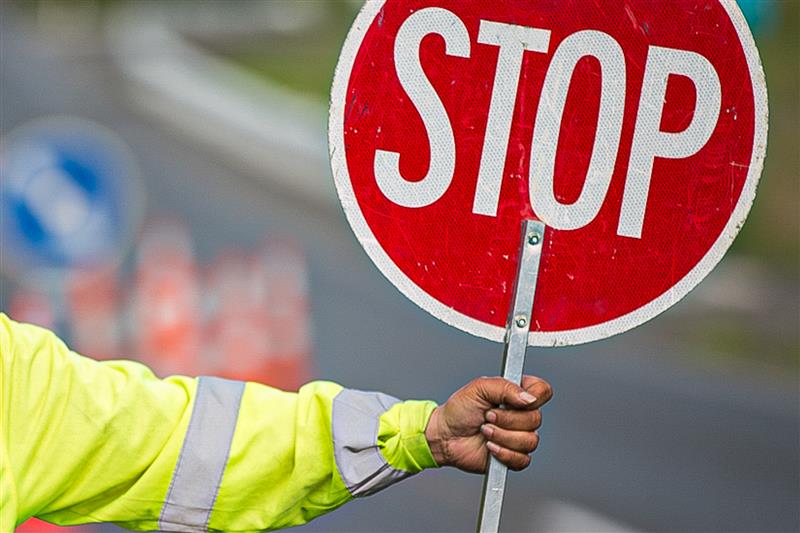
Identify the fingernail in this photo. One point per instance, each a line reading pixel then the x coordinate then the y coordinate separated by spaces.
pixel 494 448
pixel 527 397
pixel 491 416
pixel 488 431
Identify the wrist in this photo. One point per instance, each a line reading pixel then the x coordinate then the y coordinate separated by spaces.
pixel 436 441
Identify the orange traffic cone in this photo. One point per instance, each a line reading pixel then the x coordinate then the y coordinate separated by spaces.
pixel 236 330
pixel 166 300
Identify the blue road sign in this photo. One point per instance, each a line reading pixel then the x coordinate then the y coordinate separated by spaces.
pixel 69 196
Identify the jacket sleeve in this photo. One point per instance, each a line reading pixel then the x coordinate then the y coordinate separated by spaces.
pixel 87 441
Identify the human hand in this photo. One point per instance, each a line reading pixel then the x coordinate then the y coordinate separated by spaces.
pixel 470 424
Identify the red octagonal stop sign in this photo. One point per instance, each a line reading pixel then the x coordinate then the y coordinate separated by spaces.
pixel 635 131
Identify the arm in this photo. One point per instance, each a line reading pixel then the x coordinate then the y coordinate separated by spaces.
pixel 84 441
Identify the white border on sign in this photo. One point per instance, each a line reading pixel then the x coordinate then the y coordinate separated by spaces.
pixel 537 338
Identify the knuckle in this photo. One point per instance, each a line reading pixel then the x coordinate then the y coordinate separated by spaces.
pixel 548 390
pixel 536 419
pixel 520 463
pixel 511 420
pixel 485 382
pixel 476 383
pixel 528 443
pixel 533 442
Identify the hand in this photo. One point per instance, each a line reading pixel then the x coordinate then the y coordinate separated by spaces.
pixel 470 424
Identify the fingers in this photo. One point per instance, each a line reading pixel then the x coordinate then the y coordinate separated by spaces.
pixel 496 391
pixel 538 388
pixel 517 441
pixel 510 431
pixel 533 393
pixel 512 448
pixel 513 460
pixel 515 420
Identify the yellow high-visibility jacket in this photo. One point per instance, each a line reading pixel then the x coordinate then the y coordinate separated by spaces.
pixel 87 441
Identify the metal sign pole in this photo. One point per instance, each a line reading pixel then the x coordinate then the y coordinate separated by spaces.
pixel 517 327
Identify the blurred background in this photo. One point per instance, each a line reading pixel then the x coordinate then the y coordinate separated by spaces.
pixel 178 208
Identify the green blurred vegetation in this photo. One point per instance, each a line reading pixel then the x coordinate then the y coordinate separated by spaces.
pixel 302 63
pixel 772 231
pixel 728 338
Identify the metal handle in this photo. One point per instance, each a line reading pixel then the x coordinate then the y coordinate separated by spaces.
pixel 517 328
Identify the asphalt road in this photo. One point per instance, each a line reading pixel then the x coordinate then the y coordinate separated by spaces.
pixel 631 435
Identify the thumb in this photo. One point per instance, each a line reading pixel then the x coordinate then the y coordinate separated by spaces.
pixel 497 390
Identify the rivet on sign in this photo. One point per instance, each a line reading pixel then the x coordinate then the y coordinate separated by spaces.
pixel 522 322
pixel 533 238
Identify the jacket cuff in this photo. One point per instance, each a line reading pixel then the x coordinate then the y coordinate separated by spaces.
pixel 401 436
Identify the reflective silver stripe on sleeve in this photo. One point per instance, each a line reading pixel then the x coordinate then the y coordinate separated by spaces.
pixel 355 421
pixel 198 472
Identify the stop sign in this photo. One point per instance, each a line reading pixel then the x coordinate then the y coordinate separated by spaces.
pixel 635 131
